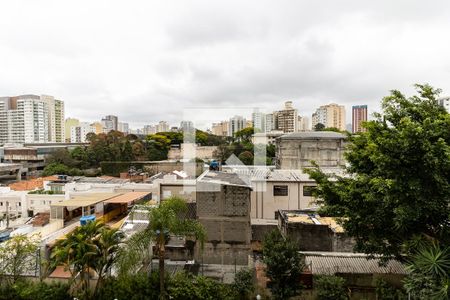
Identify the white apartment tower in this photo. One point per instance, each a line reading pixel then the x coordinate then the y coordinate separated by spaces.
pixel 236 124
pixel 162 126
pixel 78 133
pixel 31 119
pixel 259 121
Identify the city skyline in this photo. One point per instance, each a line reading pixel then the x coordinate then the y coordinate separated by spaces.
pixel 169 56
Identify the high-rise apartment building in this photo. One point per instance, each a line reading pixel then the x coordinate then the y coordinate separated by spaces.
pixel 149 129
pixel 110 123
pixel 187 126
pixel 123 127
pixel 303 123
pixel 286 120
pixel 236 124
pixel 220 129
pixel 98 127
pixel 69 123
pixel 359 115
pixel 162 126
pixel 56 124
pixel 259 121
pixel 31 119
pixel 78 133
pixel 270 124
pixel 330 115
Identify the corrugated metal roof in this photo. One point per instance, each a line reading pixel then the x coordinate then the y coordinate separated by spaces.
pixel 355 263
pixel 128 197
pixel 83 201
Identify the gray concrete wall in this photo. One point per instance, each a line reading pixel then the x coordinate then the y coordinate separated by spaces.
pixel 296 154
pixel 312 237
pixel 224 211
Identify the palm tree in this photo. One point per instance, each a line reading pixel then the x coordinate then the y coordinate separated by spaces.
pixel 167 219
pixel 106 246
pixel 429 272
pixel 91 246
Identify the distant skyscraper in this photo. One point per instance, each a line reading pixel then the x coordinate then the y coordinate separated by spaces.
pixel 359 115
pixel 69 123
pixel 187 126
pixel 286 120
pixel 110 123
pixel 31 119
pixel 220 129
pixel 162 126
pixel 123 127
pixel 149 129
pixel 78 133
pixel 259 121
pixel 331 115
pixel 445 103
pixel 303 124
pixel 235 124
pixel 98 127
pixel 270 124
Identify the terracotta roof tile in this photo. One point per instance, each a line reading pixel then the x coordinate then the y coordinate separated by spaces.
pixel 29 185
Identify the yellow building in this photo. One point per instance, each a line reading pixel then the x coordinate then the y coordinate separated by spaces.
pixel 98 127
pixel 331 115
pixel 70 122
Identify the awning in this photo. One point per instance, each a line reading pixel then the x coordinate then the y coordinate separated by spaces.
pixel 128 197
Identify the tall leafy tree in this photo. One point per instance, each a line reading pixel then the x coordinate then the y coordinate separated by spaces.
pixel 397 189
pixel 17 256
pixel 284 265
pixel 169 218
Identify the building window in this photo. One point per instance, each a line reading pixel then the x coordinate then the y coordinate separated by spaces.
pixel 280 190
pixel 308 190
pixel 1 203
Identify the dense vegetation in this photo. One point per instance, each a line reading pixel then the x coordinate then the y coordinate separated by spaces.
pixel 395 200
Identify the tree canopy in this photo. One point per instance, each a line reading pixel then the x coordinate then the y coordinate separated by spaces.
pixel 397 190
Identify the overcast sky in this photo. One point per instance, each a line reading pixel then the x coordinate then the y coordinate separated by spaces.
pixel 146 61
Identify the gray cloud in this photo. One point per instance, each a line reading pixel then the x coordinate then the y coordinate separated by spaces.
pixel 145 60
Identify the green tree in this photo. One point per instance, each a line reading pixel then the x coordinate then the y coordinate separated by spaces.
pixel 284 265
pixel 319 127
pixel 397 190
pixel 17 256
pixel 243 283
pixel 56 169
pixel 184 286
pixel 330 287
pixel 89 247
pixel 223 152
pixel 245 134
pixel 158 147
pixel 127 151
pixel 169 218
pixel 246 157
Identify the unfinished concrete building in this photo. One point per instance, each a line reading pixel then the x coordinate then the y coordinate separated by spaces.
pixel 312 232
pixel 298 149
pixel 223 208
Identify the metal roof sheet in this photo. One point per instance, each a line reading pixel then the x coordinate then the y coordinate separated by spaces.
pixel 128 197
pixel 355 263
pixel 83 201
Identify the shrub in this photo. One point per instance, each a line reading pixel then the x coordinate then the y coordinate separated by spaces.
pixel 330 287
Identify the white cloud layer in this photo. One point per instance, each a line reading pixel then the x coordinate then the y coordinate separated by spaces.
pixel 147 60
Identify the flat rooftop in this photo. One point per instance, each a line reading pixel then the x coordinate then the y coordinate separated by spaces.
pixel 312 219
pixel 312 135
